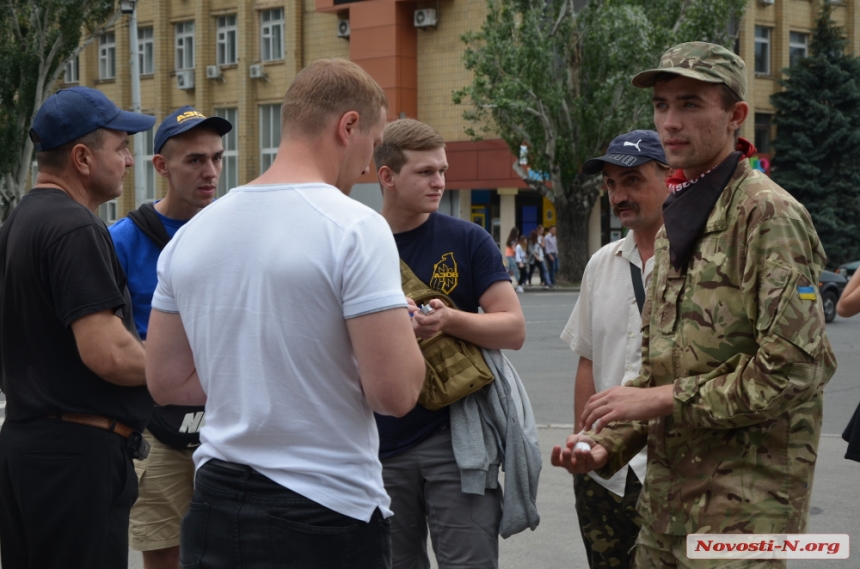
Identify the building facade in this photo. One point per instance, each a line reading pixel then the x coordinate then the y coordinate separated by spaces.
pixel 236 60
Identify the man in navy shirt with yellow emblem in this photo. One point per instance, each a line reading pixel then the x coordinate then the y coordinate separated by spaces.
pixel 460 259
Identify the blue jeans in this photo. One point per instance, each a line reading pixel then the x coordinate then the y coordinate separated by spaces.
pixel 240 518
pixel 552 268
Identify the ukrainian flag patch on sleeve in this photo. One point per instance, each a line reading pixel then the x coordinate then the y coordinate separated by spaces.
pixel 806 292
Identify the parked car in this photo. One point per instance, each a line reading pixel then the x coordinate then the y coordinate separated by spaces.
pixel 830 286
pixel 848 269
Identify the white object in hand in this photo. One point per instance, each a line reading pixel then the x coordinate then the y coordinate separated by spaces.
pixel 582 445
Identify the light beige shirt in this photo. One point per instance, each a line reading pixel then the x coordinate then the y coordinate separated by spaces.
pixel 606 328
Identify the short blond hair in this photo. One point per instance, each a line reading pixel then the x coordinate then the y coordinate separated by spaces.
pixel 330 88
pixel 405 134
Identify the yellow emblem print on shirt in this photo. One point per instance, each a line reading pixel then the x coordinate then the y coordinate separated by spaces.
pixel 445 275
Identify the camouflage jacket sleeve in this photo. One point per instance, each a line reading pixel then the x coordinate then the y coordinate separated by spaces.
pixel 793 359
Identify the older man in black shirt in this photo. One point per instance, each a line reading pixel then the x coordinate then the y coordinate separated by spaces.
pixel 72 364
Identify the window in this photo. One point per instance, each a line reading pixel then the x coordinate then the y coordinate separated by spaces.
pixel 185 45
pixel 72 74
pixel 272 34
pixel 230 161
pixel 762 132
pixel 148 143
pixel 798 47
pixel 107 211
pixel 270 134
pixel 146 51
pixel 762 50
pixel 226 40
pixel 107 55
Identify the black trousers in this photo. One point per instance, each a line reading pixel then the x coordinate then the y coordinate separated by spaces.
pixel 240 518
pixel 65 495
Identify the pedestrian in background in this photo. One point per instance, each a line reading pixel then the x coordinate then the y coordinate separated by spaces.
pixel 535 250
pixel 550 245
pixel 522 257
pixel 72 363
pixel 510 253
pixel 188 152
pixel 294 347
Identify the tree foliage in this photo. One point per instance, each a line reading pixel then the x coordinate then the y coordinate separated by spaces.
pixel 555 75
pixel 37 39
pixel 817 149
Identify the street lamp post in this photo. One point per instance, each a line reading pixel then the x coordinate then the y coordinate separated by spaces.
pixel 128 7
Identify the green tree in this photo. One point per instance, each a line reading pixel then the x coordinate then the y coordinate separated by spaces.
pixel 37 39
pixel 817 148
pixel 554 75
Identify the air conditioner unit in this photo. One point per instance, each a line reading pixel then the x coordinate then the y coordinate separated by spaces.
pixel 213 72
pixel 766 2
pixel 185 79
pixel 257 71
pixel 425 18
pixel 343 29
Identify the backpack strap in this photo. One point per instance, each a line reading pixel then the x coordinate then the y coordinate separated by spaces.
pixel 638 289
pixel 414 288
pixel 147 220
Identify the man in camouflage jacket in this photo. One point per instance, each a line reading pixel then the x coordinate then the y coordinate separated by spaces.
pixel 735 357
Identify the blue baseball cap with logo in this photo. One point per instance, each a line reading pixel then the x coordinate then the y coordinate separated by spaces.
pixel 629 150
pixel 72 113
pixel 183 120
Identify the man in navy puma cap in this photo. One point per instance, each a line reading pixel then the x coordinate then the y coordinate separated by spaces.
pixel 605 332
pixel 71 363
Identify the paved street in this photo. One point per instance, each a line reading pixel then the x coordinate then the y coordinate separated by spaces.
pixel 547 367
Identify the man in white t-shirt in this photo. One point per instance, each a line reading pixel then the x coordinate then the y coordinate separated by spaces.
pixel 280 307
pixel 604 330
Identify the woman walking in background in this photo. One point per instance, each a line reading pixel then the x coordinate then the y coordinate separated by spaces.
pixel 522 258
pixel 535 251
pixel 510 253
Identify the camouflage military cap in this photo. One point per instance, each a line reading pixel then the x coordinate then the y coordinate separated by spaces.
pixel 706 62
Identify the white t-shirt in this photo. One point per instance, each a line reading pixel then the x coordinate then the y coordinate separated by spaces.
pixel 606 328
pixel 265 279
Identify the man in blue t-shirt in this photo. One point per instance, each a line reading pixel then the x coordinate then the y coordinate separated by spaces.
pixel 188 151
pixel 460 259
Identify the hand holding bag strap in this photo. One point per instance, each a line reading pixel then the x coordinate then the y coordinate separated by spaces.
pixel 638 289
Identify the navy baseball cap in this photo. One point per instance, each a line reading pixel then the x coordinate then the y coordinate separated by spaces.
pixel 71 113
pixel 629 150
pixel 184 119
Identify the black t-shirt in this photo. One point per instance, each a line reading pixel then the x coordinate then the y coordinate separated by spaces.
pixel 57 264
pixel 460 259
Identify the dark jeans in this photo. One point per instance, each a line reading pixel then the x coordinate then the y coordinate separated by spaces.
pixel 552 268
pixel 240 518
pixel 65 495
pixel 524 272
pixel 541 267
